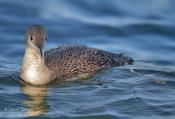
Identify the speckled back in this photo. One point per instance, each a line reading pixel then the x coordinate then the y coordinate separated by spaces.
pixel 70 61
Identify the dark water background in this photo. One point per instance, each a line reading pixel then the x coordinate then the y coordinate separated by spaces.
pixel 141 29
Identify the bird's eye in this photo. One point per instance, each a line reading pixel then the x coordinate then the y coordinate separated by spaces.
pixel 31 38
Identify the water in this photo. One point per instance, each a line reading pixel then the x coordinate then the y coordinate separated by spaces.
pixel 143 30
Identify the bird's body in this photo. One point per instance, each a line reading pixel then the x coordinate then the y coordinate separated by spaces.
pixel 63 62
pixel 69 61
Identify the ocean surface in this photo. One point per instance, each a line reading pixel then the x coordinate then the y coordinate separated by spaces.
pixel 141 29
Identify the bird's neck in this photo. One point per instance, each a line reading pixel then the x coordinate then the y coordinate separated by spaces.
pixel 33 68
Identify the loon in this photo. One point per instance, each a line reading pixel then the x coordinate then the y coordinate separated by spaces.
pixel 63 62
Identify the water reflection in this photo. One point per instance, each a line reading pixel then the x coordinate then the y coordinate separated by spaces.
pixel 36 102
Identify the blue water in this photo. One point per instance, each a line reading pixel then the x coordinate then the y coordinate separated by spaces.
pixel 143 30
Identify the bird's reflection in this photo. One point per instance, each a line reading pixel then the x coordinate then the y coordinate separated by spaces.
pixel 36 102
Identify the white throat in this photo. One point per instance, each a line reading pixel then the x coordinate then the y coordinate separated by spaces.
pixel 33 69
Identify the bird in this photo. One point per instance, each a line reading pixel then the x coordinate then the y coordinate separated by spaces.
pixel 64 62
